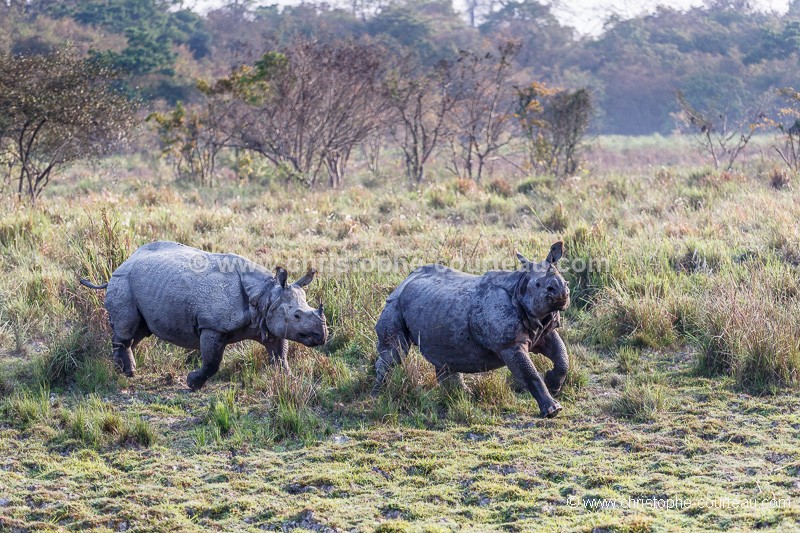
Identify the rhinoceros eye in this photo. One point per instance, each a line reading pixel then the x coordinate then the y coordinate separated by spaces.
pixel 297 315
pixel 538 284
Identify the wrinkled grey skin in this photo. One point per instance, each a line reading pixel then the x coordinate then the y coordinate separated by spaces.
pixel 205 301
pixel 465 324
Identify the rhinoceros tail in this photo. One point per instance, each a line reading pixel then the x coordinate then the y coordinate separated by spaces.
pixel 87 283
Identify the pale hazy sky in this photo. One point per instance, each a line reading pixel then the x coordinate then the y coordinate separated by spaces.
pixel 585 15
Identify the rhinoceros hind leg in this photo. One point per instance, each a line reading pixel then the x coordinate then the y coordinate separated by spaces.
pixel 129 328
pixel 390 354
pixel 122 349
pixel 142 333
pixel 393 345
pixel 522 369
pixel 212 346
pixel 450 380
pixel 122 355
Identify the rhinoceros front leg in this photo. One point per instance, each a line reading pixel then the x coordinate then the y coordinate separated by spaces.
pixel 212 346
pixel 277 350
pixel 522 369
pixel 552 347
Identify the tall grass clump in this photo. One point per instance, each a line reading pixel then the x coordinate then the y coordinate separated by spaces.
pixel 97 250
pixel 641 400
pixel 493 390
pixel 94 423
pixel 410 389
pixel 138 432
pixel 76 359
pixel 589 254
pixel 85 423
pixel 577 374
pixel 26 408
pixel 628 359
pixel 750 331
pixel 460 407
pixel 291 399
pixel 21 227
pixel 223 412
pixel 102 246
pixel 621 317
pixel 61 362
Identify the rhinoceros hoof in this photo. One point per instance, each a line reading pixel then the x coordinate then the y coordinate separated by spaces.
pixel 119 364
pixel 552 411
pixel 195 380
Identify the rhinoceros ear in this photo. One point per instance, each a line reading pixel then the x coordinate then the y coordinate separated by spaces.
pixel 281 275
pixel 308 278
pixel 556 251
pixel 526 264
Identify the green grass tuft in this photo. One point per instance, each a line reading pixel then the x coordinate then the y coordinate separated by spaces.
pixel 291 400
pixel 628 359
pixel 641 400
pixel 138 432
pixel 27 408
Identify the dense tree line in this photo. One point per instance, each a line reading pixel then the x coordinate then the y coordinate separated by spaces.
pixel 724 50
pixel 304 87
pixel 308 106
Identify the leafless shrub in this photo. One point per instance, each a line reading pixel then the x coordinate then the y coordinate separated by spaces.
pixel 56 109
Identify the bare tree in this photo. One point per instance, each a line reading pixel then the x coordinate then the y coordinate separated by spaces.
pixel 720 133
pixel 371 150
pixel 192 138
pixel 554 123
pixel 788 124
pixel 420 103
pixel 484 106
pixel 307 107
pixel 568 114
pixel 355 110
pixel 54 110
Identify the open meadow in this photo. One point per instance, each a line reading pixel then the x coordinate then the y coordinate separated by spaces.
pixel 681 408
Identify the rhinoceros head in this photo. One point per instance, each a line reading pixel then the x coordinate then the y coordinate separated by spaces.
pixel 288 315
pixel 542 289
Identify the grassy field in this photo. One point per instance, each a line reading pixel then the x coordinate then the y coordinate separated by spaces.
pixel 680 411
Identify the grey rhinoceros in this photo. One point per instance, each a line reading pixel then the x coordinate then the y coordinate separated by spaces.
pixel 196 299
pixel 467 323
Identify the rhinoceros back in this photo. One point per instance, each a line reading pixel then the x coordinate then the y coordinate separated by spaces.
pixel 180 290
pixel 434 302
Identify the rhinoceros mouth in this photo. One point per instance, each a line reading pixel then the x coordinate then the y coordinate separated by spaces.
pixel 560 305
pixel 312 340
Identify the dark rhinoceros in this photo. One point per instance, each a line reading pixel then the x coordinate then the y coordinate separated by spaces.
pixel 467 323
pixel 196 299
